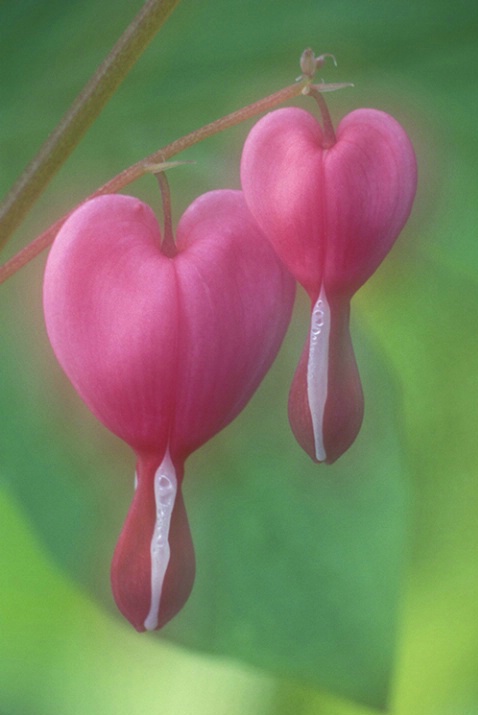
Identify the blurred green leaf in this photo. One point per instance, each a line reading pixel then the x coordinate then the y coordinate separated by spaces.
pixel 300 565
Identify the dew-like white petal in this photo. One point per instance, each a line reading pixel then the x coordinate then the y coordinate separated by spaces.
pixel 165 490
pixel 317 370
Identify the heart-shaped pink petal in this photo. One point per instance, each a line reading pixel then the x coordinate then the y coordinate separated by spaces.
pixel 332 214
pixel 165 352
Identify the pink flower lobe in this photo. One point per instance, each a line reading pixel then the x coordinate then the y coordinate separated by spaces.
pixel 165 351
pixel 332 215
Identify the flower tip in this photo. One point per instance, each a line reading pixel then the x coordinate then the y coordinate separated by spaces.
pixel 153 568
pixel 326 401
pixel 309 63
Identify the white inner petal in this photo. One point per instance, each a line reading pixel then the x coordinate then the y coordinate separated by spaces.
pixel 165 489
pixel 318 369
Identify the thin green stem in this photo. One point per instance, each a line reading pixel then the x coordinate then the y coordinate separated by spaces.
pixel 168 247
pixel 329 132
pixel 84 110
pixel 149 165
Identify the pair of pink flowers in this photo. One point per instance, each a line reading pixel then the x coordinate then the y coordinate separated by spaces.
pixel 167 350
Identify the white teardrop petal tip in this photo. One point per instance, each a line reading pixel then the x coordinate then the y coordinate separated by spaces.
pixel 165 490
pixel 317 370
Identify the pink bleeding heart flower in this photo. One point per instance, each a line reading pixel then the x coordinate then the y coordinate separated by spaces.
pixel 165 351
pixel 332 209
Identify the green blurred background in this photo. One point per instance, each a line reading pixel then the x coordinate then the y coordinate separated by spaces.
pixel 320 590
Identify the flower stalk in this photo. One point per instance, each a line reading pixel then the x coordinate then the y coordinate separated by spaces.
pixel 137 170
pixel 168 247
pixel 83 112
